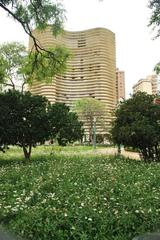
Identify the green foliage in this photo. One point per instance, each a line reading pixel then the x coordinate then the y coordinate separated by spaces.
pixel 157 68
pixel 8 118
pixel 16 64
pixel 32 122
pixel 27 120
pixel 48 63
pixel 88 109
pixel 35 14
pixel 3 66
pixel 12 57
pixel 64 124
pixel 81 197
pixel 154 5
pixel 23 120
pixel 137 125
pixel 41 64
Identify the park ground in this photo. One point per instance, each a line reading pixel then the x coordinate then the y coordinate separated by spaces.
pixel 112 151
pixel 78 193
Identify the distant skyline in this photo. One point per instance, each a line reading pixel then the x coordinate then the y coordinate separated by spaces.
pixel 136 52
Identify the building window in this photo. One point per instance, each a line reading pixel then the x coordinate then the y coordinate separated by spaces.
pixel 81 43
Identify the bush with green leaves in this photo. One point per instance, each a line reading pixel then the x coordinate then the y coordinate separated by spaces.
pixel 137 125
pixel 23 120
pixel 39 15
pixel 64 125
pixel 90 110
pixel 27 120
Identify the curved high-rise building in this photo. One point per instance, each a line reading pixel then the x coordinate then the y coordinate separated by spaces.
pixel 91 70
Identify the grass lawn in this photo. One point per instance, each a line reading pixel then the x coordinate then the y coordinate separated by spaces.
pixel 78 197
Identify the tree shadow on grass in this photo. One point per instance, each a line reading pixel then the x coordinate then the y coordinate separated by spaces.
pixel 10 161
pixel 6 160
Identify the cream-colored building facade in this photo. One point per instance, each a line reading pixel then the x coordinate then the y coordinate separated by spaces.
pixel 148 85
pixel 91 71
pixel 120 85
pixel 154 81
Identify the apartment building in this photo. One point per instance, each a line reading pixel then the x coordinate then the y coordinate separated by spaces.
pixel 91 70
pixel 120 84
pixel 148 85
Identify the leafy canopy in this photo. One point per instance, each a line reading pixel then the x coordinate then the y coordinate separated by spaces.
pixel 16 65
pixel 88 109
pixel 65 126
pixel 35 14
pixel 23 120
pixel 137 125
pixel 27 120
pixel 155 15
pixel 12 57
pixel 48 63
pixel 42 63
pixel 154 5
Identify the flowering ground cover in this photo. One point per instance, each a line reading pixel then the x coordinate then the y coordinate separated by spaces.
pixel 80 197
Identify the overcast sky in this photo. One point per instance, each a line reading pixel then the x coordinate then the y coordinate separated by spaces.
pixel 136 52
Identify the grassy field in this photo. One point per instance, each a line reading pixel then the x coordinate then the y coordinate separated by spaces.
pixel 78 197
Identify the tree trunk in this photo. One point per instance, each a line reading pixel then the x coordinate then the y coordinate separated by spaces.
pixel 157 153
pixel 148 154
pixel 119 149
pixel 90 134
pixel 27 152
pixel 91 129
pixel 144 154
pixel 151 153
pixel 22 90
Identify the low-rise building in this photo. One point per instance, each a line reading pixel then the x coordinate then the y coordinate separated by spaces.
pixel 148 85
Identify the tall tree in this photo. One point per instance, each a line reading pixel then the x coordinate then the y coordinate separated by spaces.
pixel 11 58
pixel 23 120
pixel 32 122
pixel 38 14
pixel 137 125
pixel 155 16
pixel 88 109
pixel 65 126
pixel 35 14
pixel 154 5
pixel 16 65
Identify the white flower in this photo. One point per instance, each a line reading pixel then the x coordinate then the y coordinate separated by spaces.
pixel 149 210
pixel 116 212
pixel 27 199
